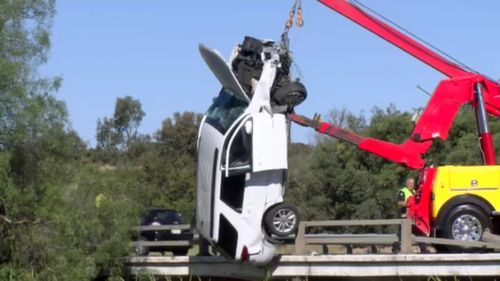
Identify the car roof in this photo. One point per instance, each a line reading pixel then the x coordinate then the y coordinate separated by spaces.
pixel 150 210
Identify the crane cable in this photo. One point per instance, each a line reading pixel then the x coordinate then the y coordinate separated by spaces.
pixel 299 22
pixel 414 36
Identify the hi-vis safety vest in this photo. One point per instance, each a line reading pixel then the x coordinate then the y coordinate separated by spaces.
pixel 407 192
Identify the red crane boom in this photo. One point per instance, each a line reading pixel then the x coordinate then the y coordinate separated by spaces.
pixel 462 87
pixel 395 37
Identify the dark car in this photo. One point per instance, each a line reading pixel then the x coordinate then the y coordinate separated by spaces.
pixel 161 217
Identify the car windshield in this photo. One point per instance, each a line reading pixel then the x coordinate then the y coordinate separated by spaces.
pixel 162 216
pixel 225 110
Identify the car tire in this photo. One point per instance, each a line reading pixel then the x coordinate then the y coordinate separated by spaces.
pixel 180 252
pixel 282 220
pixel 141 250
pixel 291 94
pixel 465 222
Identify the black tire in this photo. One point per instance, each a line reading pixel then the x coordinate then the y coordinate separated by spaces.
pixel 180 252
pixel 141 250
pixel 291 94
pixel 465 222
pixel 289 223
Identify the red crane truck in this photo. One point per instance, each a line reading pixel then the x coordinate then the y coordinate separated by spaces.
pixel 456 202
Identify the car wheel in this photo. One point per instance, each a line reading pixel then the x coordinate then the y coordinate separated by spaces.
pixel 282 220
pixel 467 223
pixel 291 94
pixel 140 249
pixel 180 252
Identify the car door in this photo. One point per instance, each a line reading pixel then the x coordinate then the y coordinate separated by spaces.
pixel 222 116
pixel 257 143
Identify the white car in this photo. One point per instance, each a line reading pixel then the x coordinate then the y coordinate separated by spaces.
pixel 242 164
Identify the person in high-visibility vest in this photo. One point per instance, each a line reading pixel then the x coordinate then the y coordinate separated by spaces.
pixel 405 193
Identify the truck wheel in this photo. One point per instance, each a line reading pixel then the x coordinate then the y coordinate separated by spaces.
pixel 282 220
pixel 465 222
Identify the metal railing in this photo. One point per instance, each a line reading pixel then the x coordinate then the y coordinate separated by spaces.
pixel 403 238
pixel 169 243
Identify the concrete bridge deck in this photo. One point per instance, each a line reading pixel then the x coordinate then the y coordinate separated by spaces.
pixel 287 266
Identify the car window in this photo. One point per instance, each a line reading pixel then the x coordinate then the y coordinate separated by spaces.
pixel 163 217
pixel 169 217
pixel 225 109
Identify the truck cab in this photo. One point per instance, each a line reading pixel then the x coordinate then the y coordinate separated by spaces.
pixel 465 201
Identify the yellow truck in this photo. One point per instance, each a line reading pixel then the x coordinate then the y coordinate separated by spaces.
pixel 465 200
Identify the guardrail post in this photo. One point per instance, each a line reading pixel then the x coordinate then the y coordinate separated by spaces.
pixel 348 249
pixel 406 236
pixel 300 239
pixel 325 249
pixel 203 246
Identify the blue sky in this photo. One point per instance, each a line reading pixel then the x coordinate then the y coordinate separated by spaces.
pixel 148 50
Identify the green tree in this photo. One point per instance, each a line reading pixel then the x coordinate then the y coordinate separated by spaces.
pixel 170 164
pixel 27 111
pixel 350 183
pixel 43 213
pixel 178 135
pixel 24 45
pixel 304 190
pixel 127 118
pixel 120 131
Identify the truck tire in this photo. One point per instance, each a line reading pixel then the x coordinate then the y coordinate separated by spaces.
pixel 465 222
pixel 282 220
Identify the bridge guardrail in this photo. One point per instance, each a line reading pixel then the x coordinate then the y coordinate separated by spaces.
pixel 169 243
pixel 404 236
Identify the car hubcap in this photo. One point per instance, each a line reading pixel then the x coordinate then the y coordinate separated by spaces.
pixel 466 227
pixel 284 220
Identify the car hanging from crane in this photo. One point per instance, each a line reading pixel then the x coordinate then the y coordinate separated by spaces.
pixel 242 152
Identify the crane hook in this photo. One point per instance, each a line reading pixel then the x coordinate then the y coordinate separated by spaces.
pixel 300 21
pixel 289 22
